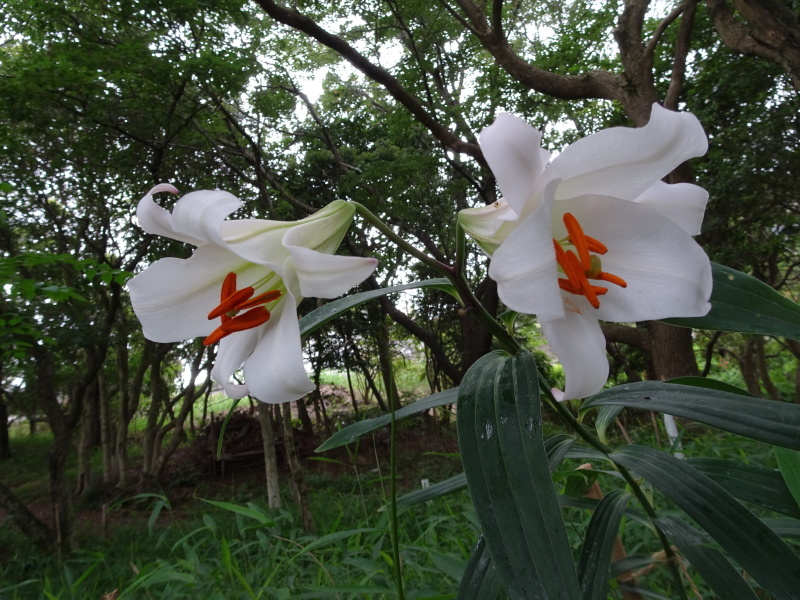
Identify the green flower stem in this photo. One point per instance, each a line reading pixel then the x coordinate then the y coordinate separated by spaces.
pixel 398 570
pixel 370 218
pixel 461 249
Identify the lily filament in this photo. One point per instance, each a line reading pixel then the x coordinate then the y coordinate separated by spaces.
pixel 583 266
pixel 232 302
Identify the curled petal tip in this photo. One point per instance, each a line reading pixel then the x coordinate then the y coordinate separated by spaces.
pixel 163 187
pixel 557 394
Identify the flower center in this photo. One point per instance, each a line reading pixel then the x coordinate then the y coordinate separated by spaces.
pixel 232 302
pixel 583 266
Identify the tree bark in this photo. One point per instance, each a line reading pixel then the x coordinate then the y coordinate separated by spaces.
pixel 5 444
pixel 297 478
pixel 33 528
pixel 270 455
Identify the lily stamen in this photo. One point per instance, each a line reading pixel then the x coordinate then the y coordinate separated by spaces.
pixel 232 302
pixel 578 239
pixel 582 267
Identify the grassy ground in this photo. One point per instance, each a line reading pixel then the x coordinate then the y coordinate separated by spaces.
pixel 211 538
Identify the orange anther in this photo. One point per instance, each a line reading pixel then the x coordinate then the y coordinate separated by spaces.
pixel 261 299
pixel 582 267
pixel 228 286
pixel 578 239
pixel 232 303
pixel 252 318
pixel 612 279
pixel 595 246
pixel 582 280
pixel 214 337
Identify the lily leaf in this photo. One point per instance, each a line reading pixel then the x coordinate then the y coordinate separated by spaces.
pixel 712 564
pixel 556 447
pixel 748 540
pixel 436 490
pixel 353 432
pixel 505 462
pixel 480 579
pixel 789 464
pixel 327 312
pixel 750 483
pixel 742 303
pixel 775 423
pixel 595 559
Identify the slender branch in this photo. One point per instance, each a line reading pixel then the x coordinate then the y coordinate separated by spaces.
pixel 398 570
pixel 662 27
pixel 299 21
pixel 593 84
pixel 682 47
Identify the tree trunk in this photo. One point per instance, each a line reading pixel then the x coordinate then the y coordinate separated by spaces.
pixel 385 359
pixel 270 455
pixel 5 445
pixel 749 367
pixel 672 352
pixel 34 529
pixel 88 440
pixel 763 369
pixel 157 401
pixel 297 479
pixel 130 392
pixel 106 432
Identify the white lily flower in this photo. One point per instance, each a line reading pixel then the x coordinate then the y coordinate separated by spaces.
pixel 242 285
pixel 594 234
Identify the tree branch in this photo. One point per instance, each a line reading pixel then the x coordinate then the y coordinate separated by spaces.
pixel 298 21
pixel 682 46
pixel 771 30
pixel 594 84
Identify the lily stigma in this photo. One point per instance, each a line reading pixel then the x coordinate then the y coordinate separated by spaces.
pixel 232 302
pixel 584 266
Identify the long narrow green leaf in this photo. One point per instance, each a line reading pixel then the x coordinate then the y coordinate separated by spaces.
pixel 789 464
pixel 327 312
pixel 556 448
pixel 595 559
pixel 712 565
pixel 775 423
pixel 738 531
pixel 502 449
pixel 480 581
pixel 750 483
pixel 437 490
pixel 743 303
pixel 353 432
pixel 784 526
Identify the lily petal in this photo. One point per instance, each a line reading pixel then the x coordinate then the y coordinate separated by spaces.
pixel 667 273
pixel 326 275
pixel 514 153
pixel 580 346
pixel 624 162
pixel 157 220
pixel 199 215
pixel 173 296
pixel 232 353
pixel 524 266
pixel 274 372
pixel 682 203
pixel 483 224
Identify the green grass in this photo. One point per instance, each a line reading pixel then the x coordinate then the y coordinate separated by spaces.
pixel 244 550
pixel 237 548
